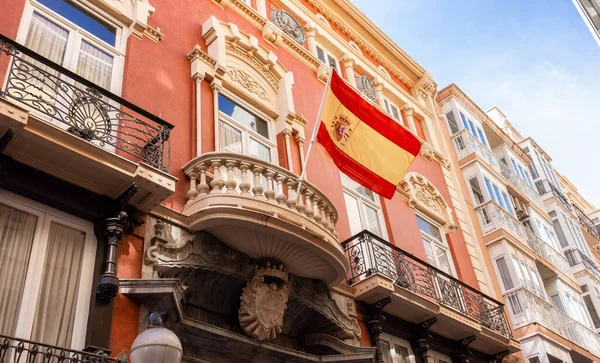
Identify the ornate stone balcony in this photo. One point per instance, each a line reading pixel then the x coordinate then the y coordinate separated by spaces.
pixel 252 206
pixel 493 218
pixel 16 350
pixel 526 308
pixel 420 292
pixel 66 126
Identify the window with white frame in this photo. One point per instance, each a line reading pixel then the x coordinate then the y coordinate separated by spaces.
pixel 468 124
pixel 587 299
pixel 452 122
pixel 504 273
pixel 364 209
pixel 46 272
pixel 395 350
pixel 521 172
pixel 498 195
pixel 392 110
pixel 77 38
pixel 328 59
pixel 242 132
pixel 435 244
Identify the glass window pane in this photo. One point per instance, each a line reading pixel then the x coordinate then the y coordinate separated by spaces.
pixel 401 355
pixel 321 54
pixel 331 62
pixel 452 122
pixel 429 252
pixel 354 186
pixel 95 65
pixel 488 185
pixel 507 203
pixel 476 190
pixel 353 214
pixel 498 197
pixel 395 113
pixel 429 228
pixel 442 258
pixel 504 274
pixel 259 150
pixel 387 106
pixel 557 302
pixel 231 138
pixel 17 229
pixel 47 39
pixel 372 220
pixel 464 120
pixel 83 19
pixel 57 302
pixel 384 348
pixel 242 116
pixel 481 137
pixel 472 127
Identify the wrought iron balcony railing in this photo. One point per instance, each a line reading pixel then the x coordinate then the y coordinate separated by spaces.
pixel 545 186
pixel 493 217
pixel 369 255
pixel 60 97
pixel 16 350
pixel 575 257
pixel 526 307
pixel 465 144
pixel 586 222
pixel 520 184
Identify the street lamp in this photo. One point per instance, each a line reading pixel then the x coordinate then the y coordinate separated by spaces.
pixel 156 344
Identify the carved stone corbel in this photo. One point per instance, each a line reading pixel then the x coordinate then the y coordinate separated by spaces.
pixel 462 352
pixel 499 357
pixel 375 321
pixel 422 339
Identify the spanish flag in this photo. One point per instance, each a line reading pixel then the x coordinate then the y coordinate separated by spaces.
pixel 365 144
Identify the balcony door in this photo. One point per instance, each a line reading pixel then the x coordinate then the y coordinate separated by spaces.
pixel 46 273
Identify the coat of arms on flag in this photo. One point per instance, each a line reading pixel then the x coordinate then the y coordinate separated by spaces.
pixel 365 144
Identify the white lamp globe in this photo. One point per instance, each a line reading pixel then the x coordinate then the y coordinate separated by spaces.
pixel 156 344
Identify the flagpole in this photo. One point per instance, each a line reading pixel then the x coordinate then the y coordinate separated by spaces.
pixel 314 135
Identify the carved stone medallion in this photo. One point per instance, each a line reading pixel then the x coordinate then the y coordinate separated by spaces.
pixel 365 85
pixel 263 303
pixel 288 24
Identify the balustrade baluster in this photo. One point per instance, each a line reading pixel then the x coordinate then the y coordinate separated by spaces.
pixel 270 192
pixel 322 215
pixel 231 183
pixel 317 213
pixel 309 206
pixel 192 193
pixel 280 197
pixel 257 189
pixel 291 201
pixel 217 183
pixel 301 207
pixel 244 184
pixel 203 187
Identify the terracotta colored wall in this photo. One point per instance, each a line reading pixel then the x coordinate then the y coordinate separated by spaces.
pixel 10 18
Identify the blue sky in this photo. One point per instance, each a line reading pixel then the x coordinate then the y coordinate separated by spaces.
pixel 536 60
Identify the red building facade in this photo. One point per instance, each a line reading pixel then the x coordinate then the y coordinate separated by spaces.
pixel 202 206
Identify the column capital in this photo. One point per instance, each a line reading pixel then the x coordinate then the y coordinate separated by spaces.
pixel 198 77
pixel 347 60
pixel 215 87
pixel 310 30
pixel 300 139
pixel 408 110
pixel 287 132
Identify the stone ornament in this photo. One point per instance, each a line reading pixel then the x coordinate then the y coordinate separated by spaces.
pixel 263 302
pixel 288 24
pixel 246 81
pixel 366 86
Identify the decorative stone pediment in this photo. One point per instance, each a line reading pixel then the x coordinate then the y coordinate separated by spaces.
pixel 132 12
pixel 425 197
pixel 245 67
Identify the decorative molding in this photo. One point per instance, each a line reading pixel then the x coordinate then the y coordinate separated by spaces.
pixel 198 53
pixel 249 56
pixel 342 25
pixel 245 80
pixel 295 118
pixel 424 196
pixel 430 154
pixel 154 33
pixel 288 24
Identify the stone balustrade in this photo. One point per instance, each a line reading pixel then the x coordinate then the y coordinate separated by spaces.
pixel 256 180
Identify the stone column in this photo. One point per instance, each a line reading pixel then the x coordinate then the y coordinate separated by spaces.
pixel 198 78
pixel 348 64
pixel 215 90
pixel 300 142
pixel 310 31
pixel 462 352
pixel 288 150
pixel 409 112
pixel 379 92
pixel 261 7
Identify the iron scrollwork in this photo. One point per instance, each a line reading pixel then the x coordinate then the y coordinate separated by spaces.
pixel 369 254
pixel 66 100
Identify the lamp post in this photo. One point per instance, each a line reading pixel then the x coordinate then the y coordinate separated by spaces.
pixel 156 344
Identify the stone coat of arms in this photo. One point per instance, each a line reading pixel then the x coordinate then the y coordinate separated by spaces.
pixel 341 129
pixel 262 306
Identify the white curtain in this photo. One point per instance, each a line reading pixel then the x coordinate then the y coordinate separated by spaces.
pixel 95 65
pixel 57 301
pixel 17 229
pixel 230 138
pixel 259 151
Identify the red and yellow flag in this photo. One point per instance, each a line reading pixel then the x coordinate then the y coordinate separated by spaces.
pixel 364 143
